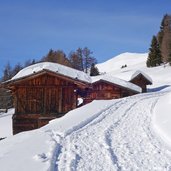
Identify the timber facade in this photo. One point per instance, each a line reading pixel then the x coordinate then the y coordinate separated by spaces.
pixel 42 97
pixel 141 81
pixel 104 90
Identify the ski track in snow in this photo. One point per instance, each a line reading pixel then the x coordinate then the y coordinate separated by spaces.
pixel 119 138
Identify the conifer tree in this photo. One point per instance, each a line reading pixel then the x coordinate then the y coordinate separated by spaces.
pixel 7 74
pixel 16 69
pixel 169 59
pixel 82 59
pixel 79 53
pixel 154 57
pixel 88 59
pixel 94 70
pixel 76 60
pixel 161 32
pixel 29 62
pixel 164 37
pixel 57 57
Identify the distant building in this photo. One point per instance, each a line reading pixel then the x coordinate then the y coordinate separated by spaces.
pixel 141 79
pixel 109 87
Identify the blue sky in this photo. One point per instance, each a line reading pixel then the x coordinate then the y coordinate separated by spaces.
pixel 29 28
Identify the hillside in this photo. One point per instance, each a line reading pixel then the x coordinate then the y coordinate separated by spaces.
pixel 134 61
pixel 121 134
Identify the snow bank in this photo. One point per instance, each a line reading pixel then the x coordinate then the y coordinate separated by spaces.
pixel 6 123
pixel 117 81
pixel 23 151
pixel 33 150
pixel 162 118
pixel 79 117
pixel 54 67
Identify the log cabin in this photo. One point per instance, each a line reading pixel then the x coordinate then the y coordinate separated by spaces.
pixel 43 92
pixel 109 87
pixel 46 91
pixel 141 79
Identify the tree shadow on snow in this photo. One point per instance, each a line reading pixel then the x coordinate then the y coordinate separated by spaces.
pixel 158 88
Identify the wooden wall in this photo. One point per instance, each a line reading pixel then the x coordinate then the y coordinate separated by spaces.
pixel 44 95
pixel 25 122
pixel 106 91
pixel 40 99
pixel 103 91
pixel 140 81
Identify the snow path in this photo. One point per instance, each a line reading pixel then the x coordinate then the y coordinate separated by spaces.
pixel 120 138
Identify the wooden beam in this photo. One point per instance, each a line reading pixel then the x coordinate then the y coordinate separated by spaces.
pixel 60 100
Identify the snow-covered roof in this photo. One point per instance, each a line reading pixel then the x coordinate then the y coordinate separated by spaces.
pixel 73 73
pixel 117 81
pixel 142 73
pixel 54 67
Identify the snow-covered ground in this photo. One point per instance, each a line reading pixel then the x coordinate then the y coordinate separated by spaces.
pixel 6 123
pixel 131 133
pixel 162 118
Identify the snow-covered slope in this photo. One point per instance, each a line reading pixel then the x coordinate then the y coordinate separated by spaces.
pixel 103 135
pixel 162 118
pixel 121 134
pixel 130 59
pixel 160 75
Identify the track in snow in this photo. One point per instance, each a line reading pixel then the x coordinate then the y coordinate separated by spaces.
pixel 120 138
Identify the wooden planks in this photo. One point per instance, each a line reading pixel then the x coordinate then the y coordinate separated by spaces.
pixel 141 81
pixel 45 94
pixel 25 122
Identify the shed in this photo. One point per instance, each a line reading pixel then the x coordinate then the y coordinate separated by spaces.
pixel 108 87
pixel 141 79
pixel 42 92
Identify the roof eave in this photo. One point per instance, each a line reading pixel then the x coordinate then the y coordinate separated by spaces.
pixel 11 82
pixel 127 88
pixel 149 81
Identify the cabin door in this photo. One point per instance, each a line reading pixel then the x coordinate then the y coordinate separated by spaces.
pixel 68 99
pixel 51 100
pixel 34 100
pixel 59 100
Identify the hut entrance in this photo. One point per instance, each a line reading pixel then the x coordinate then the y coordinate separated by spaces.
pixel 52 100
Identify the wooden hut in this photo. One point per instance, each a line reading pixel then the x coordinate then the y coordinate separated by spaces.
pixel 141 79
pixel 43 92
pixel 108 87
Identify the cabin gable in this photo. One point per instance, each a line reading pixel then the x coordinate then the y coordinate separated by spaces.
pixel 141 81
